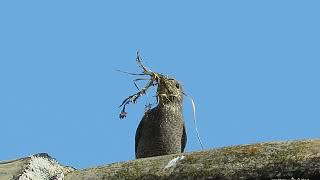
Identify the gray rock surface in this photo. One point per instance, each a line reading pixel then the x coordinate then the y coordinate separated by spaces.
pixel 262 161
pixel 36 167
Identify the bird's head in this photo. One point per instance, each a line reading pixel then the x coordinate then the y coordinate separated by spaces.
pixel 169 91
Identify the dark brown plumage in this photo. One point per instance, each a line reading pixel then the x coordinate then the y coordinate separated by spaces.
pixel 162 129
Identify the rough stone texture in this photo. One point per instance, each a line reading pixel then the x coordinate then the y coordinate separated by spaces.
pixel 13 169
pixel 35 167
pixel 262 161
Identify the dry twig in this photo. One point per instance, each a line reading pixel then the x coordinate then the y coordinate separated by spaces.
pixel 152 81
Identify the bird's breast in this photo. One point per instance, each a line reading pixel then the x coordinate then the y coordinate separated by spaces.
pixel 161 132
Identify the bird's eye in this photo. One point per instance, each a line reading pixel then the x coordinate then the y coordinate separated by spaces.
pixel 178 86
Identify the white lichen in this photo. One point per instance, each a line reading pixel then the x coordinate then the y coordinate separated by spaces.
pixel 42 167
pixel 174 162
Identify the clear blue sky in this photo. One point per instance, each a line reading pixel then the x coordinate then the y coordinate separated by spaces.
pixel 252 68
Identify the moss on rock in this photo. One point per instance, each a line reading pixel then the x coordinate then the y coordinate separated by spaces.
pixel 297 159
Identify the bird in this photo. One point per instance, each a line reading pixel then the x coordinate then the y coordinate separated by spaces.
pixel 162 129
